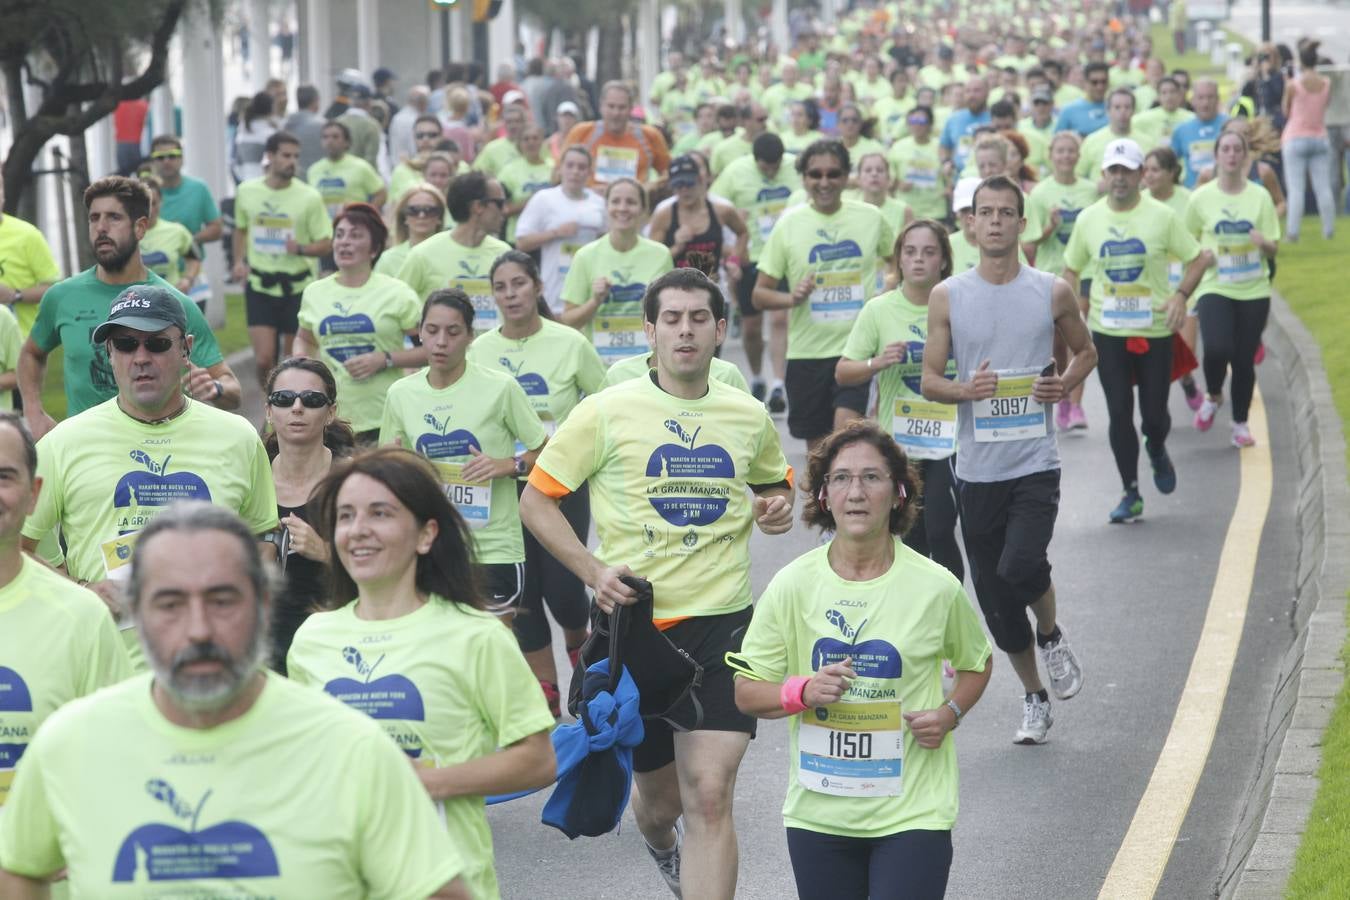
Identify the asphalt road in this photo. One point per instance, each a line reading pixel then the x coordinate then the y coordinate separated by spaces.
pixel 1036 821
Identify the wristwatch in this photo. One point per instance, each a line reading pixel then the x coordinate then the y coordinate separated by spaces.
pixel 388 360
pixel 951 704
pixel 18 296
pixel 521 467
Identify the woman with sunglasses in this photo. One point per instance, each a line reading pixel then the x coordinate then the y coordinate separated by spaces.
pixel 804 119
pixel 356 320
pixel 420 213
pixel 848 640
pixel 406 639
pixel 855 133
pixel 478 428
pixel 559 221
pixel 427 133
pixel 918 168
pixel 610 313
pixel 304 437
pixel 555 365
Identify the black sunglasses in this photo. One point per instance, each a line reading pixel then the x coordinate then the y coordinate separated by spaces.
pixel 125 343
pixel 827 173
pixel 419 211
pixel 308 399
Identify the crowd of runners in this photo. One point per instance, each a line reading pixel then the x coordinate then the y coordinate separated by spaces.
pixel 488 327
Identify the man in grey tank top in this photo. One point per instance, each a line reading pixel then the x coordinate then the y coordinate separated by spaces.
pixel 999 321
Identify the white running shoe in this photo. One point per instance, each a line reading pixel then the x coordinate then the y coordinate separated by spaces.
pixel 1036 721
pixel 668 861
pixel 1066 675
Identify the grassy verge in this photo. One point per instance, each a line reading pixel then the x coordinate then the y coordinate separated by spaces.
pixel 1309 278
pixel 1193 61
pixel 234 336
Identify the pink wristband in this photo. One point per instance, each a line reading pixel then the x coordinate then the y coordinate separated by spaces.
pixel 791 695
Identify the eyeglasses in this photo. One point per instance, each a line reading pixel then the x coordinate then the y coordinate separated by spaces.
pixel 125 343
pixel 166 154
pixel 499 202
pixel 308 399
pixel 870 479
pixel 419 211
pixel 427 135
pixel 849 120
pixel 820 174
pixel 917 120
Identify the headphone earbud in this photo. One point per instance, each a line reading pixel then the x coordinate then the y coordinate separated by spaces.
pixel 900 494
pixel 822 502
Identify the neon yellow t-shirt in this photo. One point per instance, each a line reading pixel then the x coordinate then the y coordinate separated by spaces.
pixel 11 343
pixel 442 262
pixel 891 113
pixel 668 480
pixel 392 260
pixel 728 150
pixel 616 329
pixel 447 683
pixel 1176 202
pixel 486 409
pixel 898 628
pixel 639 365
pixel 795 143
pixel 341 181
pixel 1221 222
pixel 136 806
pixel 348 322
pixel 1129 252
pixel 864 146
pixel 1155 126
pixel 273 217
pixel 1070 200
pixel 27 260
pixel 920 165
pixel 842 251
pixel 761 200
pixel 523 179
pixel 1094 148
pixel 496 155
pixel 57 643
pixel 164 248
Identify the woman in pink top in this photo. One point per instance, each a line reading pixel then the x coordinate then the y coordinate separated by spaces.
pixel 1307 154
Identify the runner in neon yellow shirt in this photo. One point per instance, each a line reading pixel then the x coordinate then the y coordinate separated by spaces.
pixel 468 419
pixel 849 641
pixel 500 152
pixel 608 277
pixel 29 266
pixel 1162 182
pixel 893 108
pixel 917 167
pixel 803 128
pixel 167 248
pixel 342 177
pixel 874 189
pixel 417 651
pixel 165 783
pixel 460 258
pixel 525 176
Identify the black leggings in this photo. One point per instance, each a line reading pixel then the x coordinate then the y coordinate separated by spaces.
pixel 1231 332
pixel 546 579
pixel 908 865
pixel 934 531
pixel 1119 370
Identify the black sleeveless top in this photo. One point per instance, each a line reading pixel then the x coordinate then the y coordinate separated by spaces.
pixel 704 250
pixel 306 583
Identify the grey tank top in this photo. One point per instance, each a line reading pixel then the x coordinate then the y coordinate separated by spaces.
pixel 1010 325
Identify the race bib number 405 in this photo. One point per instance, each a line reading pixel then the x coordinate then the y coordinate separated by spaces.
pixel 852 750
pixel 1011 414
pixel 473 499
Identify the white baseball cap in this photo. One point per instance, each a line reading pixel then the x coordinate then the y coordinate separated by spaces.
pixel 1122 152
pixel 963 195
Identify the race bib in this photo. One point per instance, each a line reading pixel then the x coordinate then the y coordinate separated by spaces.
pixel 117 557
pixel 270 234
pixel 480 295
pixel 767 218
pixel 1175 269
pixel 615 162
pixel 1201 155
pixel 473 499
pixel 1010 415
pixel 1127 307
pixel 925 430
pixel 922 178
pixel 838 296
pixel 852 750
pixel 616 337
pixel 1240 262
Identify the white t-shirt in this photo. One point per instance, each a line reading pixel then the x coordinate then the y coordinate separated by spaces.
pixel 546 210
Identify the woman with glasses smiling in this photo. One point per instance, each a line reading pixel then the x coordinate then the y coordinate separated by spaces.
pixel 848 640
pixel 419 214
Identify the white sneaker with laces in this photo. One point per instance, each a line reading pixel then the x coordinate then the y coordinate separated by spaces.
pixel 1066 675
pixel 668 861
pixel 1036 721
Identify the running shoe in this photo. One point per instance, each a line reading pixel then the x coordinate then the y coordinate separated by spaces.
pixel 1077 418
pixel 1193 398
pixel 1260 353
pixel 1204 416
pixel 1131 506
pixel 668 861
pixel 1062 414
pixel 553 697
pixel 758 389
pixel 777 399
pixel 1066 675
pixel 1242 435
pixel 1164 473
pixel 1036 721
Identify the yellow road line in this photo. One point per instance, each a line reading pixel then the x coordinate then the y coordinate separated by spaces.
pixel 1143 855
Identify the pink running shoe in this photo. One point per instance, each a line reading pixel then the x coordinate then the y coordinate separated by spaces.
pixel 1062 414
pixel 1260 353
pixel 1204 416
pixel 1193 398
pixel 1242 435
pixel 1077 418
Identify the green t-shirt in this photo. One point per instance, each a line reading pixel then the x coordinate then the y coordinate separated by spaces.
pixel 58 643
pixel 795 143
pixel 341 181
pixel 1221 222
pixel 392 260
pixel 888 319
pixel 778 100
pixel 164 248
pixel 639 365
pixel 105 475
pixel 442 262
pixel 271 218
pixel 555 367
pixel 347 322
pixel 898 628
pixel 1129 252
pixel 891 112
pixel 190 204
pixel 616 329
pixel 920 165
pixel 1046 197
pixel 523 179
pixel 864 146
pixel 447 683
pixel 11 343
pixel 843 251
pixel 761 200
pixel 67 317
pixel 1155 126
pixel 496 155
pixel 26 260
pixel 127 800
pixel 728 150
pixel 668 481
pixel 485 409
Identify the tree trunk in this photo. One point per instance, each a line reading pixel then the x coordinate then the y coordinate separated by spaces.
pixel 19 200
pixel 609 53
pixel 77 179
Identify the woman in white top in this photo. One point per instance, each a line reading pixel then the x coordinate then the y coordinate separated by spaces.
pixel 255 127
pixel 558 220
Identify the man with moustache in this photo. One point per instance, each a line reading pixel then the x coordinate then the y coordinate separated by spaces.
pixel 119 214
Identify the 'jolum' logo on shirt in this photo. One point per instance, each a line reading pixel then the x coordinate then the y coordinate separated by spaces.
pixel 159 852
pixel 682 497
pixel 386 697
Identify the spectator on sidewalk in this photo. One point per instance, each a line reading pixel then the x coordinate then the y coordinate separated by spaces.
pixel 1306 150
